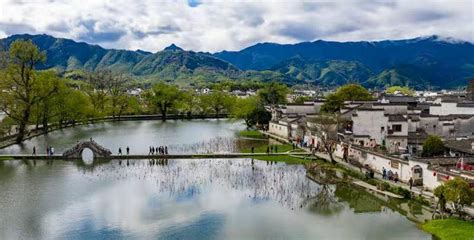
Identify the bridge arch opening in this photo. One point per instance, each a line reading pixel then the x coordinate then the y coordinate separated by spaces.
pixel 87 156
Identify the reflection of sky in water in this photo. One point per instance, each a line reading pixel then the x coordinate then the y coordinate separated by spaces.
pixel 185 199
pixel 180 135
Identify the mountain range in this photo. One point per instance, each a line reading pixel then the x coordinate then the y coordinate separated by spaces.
pixel 420 62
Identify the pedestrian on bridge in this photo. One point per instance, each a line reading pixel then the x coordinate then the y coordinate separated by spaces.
pixel 128 150
pixel 120 151
pixel 34 150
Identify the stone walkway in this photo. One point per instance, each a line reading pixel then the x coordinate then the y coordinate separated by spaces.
pixel 415 189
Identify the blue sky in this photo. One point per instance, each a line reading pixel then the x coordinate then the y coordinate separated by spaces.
pixel 203 25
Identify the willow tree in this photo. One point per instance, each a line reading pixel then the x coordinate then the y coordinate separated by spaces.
pixel 19 84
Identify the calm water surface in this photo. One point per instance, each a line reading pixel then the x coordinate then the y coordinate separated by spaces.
pixel 182 199
pixel 179 135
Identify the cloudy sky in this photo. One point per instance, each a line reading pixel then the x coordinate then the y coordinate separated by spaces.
pixel 203 25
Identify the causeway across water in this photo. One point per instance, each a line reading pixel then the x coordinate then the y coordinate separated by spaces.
pixel 169 156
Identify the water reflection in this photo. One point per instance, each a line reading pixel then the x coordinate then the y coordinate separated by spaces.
pixel 184 199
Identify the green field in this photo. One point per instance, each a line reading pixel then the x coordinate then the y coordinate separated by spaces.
pixel 450 229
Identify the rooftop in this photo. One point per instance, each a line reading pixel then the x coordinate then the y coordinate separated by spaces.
pixel 464 146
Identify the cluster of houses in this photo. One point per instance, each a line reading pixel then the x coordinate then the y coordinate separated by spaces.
pixel 388 133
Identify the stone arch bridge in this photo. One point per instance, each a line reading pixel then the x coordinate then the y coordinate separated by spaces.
pixel 97 150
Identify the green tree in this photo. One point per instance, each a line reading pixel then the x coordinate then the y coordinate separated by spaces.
pixel 48 84
pixel 189 103
pixel 302 99
pixel 217 102
pixel 273 93
pixel 456 192
pixel 116 88
pixel 72 106
pixel 251 110
pixel 439 193
pixel 349 92
pixel 98 83
pixel 433 146
pixel 402 90
pixel 163 97
pixel 19 85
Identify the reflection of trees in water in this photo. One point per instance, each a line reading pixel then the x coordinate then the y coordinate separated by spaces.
pixel 358 199
pixel 216 145
pixel 325 202
pixel 259 181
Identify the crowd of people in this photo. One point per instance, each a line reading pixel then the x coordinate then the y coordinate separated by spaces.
pixel 389 175
pixel 161 150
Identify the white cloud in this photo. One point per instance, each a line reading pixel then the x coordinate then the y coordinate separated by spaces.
pixel 232 25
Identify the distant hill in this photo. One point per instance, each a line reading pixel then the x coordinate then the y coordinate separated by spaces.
pixel 419 62
pixel 173 63
pixel 439 62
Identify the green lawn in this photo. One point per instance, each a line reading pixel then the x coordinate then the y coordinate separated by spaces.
pixel 450 229
pixel 252 134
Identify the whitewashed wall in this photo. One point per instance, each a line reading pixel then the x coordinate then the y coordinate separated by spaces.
pixel 447 108
pixel 278 129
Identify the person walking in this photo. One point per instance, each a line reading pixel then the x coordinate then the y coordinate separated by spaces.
pixel 52 151
pixel 384 173
pixel 276 149
pixel 252 150
pixel 120 151
pixel 166 150
pixel 128 150
pixel 34 150
pixel 268 149
pixel 410 182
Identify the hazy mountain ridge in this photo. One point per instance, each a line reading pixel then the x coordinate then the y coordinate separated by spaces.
pixel 418 62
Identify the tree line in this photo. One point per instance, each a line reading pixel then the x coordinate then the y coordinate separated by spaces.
pixel 35 100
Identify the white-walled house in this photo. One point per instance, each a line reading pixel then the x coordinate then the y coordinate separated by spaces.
pixel 452 107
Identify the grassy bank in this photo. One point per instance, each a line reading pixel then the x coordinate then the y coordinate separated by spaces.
pixel 252 134
pixel 5 158
pixel 281 149
pixel 450 229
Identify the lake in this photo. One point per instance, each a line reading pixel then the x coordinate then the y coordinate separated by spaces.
pixel 183 199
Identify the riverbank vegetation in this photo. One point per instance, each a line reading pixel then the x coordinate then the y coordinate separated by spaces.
pixel 36 101
pixel 450 229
